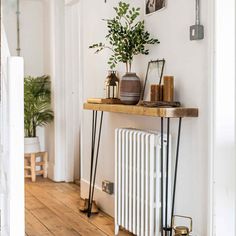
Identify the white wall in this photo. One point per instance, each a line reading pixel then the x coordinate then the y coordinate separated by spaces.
pixel 31 26
pixel 31 36
pixel 188 62
pixel 32 33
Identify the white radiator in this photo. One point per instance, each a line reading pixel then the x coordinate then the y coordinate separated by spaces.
pixel 138 181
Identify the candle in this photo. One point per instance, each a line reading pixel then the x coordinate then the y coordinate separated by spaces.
pixel 168 95
pixel 161 92
pixel 156 93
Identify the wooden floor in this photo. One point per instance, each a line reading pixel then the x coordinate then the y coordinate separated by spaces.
pixel 52 209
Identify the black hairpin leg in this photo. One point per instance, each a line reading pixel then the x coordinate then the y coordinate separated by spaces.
pixel 162 174
pixel 94 128
pixel 93 168
pixel 167 226
pixel 176 171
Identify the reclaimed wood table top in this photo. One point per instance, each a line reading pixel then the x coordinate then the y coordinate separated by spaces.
pixel 165 112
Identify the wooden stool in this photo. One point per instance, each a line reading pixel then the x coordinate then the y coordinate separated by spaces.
pixel 31 164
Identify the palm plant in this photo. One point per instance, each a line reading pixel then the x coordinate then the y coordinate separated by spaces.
pixel 37 103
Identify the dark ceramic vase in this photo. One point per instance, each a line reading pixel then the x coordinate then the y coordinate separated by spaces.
pixel 130 89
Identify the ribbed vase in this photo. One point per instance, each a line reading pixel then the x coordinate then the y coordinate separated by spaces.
pixel 130 89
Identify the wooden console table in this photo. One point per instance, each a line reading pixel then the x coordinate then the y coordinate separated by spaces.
pixel 162 113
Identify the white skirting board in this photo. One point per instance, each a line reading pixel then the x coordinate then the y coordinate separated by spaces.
pixel 104 201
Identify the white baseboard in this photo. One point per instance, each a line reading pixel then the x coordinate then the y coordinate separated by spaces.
pixel 51 171
pixel 52 175
pixel 104 201
pixel 56 177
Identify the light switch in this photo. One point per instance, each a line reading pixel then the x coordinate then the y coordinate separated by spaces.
pixel 196 32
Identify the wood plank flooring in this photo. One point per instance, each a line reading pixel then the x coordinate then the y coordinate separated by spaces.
pixel 52 209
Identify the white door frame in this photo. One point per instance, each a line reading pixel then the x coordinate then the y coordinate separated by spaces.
pixel 57 72
pixel 12 208
pixel 222 119
pixel 12 153
pixel 72 88
pixel 67 102
pixel 16 147
pixel 224 123
pixel 211 102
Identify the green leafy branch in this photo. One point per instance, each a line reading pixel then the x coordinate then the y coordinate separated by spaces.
pixel 126 36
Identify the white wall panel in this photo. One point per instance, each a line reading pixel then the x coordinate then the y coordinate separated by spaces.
pixel 188 62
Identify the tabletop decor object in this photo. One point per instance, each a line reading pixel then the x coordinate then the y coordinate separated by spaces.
pixel 130 89
pixel 168 94
pixel 159 104
pixel 160 64
pixel 156 93
pixel 127 38
pixel 182 230
pixel 37 109
pixel 111 86
pixel 160 95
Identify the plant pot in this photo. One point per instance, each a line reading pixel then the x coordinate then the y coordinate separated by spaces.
pixel 130 89
pixel 32 145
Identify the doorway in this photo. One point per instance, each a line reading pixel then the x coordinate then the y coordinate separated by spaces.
pixel 50 44
pixel 49 33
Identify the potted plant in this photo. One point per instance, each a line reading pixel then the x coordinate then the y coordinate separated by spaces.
pixel 127 38
pixel 37 109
